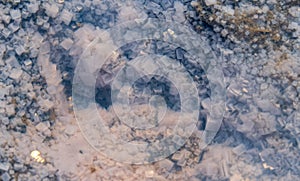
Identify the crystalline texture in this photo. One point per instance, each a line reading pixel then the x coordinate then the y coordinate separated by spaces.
pixel 66 17
pixel 15 14
pixel 67 44
pixel 52 10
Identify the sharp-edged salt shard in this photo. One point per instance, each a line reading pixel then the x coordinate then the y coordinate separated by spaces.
pixel 66 17
pixel 67 43
pixel 15 14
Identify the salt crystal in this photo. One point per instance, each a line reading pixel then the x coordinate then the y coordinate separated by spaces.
pixel 51 10
pixel 13 27
pixel 5 121
pixel 294 11
pixel 10 110
pixel 44 103
pixel 166 164
pixel 6 19
pixel 27 62
pixel 195 3
pixel 239 149
pixel 210 2
pixel 2 49
pixel 15 14
pixel 67 43
pixel 18 166
pixel 66 17
pixel 70 130
pixel 20 49
pixel 6 32
pixel 16 74
pixel 43 126
pixel 4 166
pixel 267 106
pixel 5 177
pixel 45 48
pixel 228 10
pixel 33 7
pixel 3 91
pixel 149 173
pixel 37 38
pixel 46 25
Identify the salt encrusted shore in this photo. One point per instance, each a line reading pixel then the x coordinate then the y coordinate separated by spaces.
pixel 257 41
